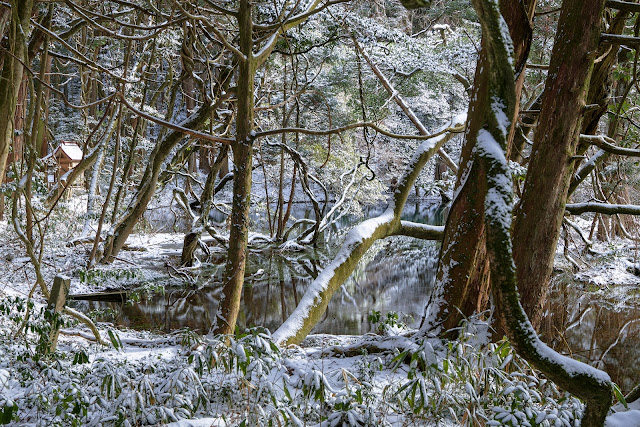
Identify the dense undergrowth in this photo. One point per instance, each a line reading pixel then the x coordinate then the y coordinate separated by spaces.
pixel 247 380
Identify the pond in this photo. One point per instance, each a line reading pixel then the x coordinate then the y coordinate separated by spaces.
pixel 396 275
pixel 595 328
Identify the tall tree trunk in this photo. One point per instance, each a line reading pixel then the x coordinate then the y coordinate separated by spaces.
pixel 280 205
pixel 550 169
pixel 462 283
pixel 11 76
pixel 11 79
pixel 139 127
pixel 94 182
pixel 42 137
pixel 242 150
pixel 189 93
pixel 188 90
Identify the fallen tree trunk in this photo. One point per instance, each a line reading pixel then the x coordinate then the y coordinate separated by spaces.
pixel 314 302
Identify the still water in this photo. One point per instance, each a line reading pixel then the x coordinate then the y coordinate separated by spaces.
pixel 396 275
pixel 601 329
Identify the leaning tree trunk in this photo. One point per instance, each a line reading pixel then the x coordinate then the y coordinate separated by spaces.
pixel 550 169
pixel 316 299
pixel 122 228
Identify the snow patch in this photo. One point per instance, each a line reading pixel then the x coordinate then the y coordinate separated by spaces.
pixel 629 418
pixel 571 366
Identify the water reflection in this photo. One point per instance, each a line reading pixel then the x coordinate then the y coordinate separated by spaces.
pixel 595 328
pixel 395 275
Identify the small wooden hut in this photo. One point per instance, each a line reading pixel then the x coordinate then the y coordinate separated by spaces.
pixel 64 158
pixel 67 155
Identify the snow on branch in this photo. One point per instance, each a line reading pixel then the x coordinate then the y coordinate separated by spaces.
pixel 609 145
pixel 602 208
pixel 623 5
pixel 325 132
pixel 314 302
pixel 420 231
pixel 587 168
pixel 182 127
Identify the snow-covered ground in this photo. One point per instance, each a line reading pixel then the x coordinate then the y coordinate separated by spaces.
pixel 183 379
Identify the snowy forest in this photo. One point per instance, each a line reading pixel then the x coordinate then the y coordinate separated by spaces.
pixel 319 213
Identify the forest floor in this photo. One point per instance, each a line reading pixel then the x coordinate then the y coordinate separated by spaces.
pixel 396 377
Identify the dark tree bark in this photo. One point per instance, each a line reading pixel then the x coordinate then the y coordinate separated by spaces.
pixel 600 88
pixel 12 74
pixel 11 78
pixel 590 384
pixel 463 276
pixel 550 169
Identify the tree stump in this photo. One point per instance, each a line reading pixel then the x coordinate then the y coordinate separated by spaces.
pixel 57 301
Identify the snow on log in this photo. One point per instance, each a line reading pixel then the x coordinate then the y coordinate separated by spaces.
pixel 602 208
pixel 314 302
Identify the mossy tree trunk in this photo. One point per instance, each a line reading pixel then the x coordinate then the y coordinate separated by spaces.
pixel 242 148
pixel 463 271
pixel 584 381
pixel 551 165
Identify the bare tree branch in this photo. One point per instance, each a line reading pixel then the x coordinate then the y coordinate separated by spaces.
pixel 175 127
pixel 372 125
pixel 420 231
pixel 602 208
pixel 608 144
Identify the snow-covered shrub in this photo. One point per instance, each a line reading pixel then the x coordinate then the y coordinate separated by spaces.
pixel 247 380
